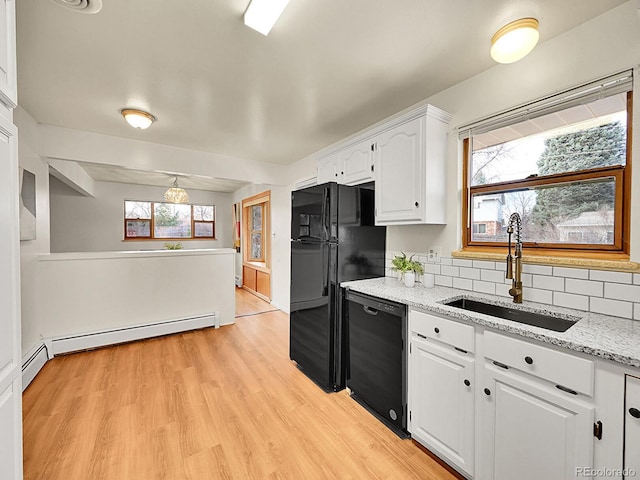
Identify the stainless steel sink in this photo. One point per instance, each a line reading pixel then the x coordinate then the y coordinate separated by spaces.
pixel 542 320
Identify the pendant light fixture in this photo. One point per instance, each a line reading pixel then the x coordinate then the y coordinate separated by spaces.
pixel 137 118
pixel 515 40
pixel 175 194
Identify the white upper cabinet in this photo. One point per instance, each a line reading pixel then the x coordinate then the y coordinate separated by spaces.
pixel 406 159
pixel 352 165
pixel 8 90
pixel 410 171
pixel 328 169
pixel 357 163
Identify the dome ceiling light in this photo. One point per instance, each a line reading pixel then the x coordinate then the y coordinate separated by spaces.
pixel 515 40
pixel 261 15
pixel 137 118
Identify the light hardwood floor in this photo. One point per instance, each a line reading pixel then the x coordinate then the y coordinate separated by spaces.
pixel 208 404
pixel 249 304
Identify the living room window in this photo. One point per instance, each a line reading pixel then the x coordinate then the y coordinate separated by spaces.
pixel 168 221
pixel 562 163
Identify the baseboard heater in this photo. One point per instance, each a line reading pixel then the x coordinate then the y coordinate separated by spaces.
pixel 32 362
pixel 86 341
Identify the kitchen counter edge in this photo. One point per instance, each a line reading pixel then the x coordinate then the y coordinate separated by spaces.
pixel 612 338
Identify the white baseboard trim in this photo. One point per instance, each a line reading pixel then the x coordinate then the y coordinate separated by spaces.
pixel 32 363
pixel 285 310
pixel 73 343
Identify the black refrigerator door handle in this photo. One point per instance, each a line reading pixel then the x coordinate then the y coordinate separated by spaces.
pixel 325 269
pixel 326 198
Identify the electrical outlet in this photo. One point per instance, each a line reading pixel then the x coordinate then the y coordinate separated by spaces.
pixel 434 254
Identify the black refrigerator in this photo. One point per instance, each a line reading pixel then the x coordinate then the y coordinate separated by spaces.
pixel 333 239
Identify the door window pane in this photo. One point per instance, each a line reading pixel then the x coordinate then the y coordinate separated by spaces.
pixel 256 246
pixel 256 217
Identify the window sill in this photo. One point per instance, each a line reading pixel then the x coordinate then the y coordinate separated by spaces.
pixel 597 261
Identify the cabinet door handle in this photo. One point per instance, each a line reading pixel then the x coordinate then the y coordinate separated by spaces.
pixel 487 392
pixel 634 412
pixel 467 382
pixel 437 330
pixel 529 360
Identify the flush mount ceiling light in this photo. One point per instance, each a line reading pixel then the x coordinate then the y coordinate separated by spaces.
pixel 175 194
pixel 137 118
pixel 262 14
pixel 515 40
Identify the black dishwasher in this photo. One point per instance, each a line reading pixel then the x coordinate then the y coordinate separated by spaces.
pixel 376 370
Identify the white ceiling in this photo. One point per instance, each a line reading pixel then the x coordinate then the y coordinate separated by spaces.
pixel 329 68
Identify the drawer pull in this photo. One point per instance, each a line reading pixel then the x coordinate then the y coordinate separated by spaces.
pixel 437 330
pixel 487 392
pixel 501 365
pixel 565 389
pixel 460 350
pixel 467 382
pixel 529 360
pixel 421 336
pixel 634 412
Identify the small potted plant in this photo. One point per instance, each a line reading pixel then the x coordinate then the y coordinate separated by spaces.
pixel 406 268
pixel 414 268
pixel 400 264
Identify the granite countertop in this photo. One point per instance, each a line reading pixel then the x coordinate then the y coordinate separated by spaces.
pixel 612 338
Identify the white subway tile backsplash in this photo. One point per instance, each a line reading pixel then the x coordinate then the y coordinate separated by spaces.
pixel 611 307
pixel 502 289
pixel 618 291
pixel 472 273
pixel 461 262
pixel 571 272
pixel 607 276
pixel 463 283
pixel 446 261
pixel 444 281
pixel 584 287
pixel 484 287
pixel 636 278
pixel 537 295
pixel 449 271
pixel 432 268
pixel 548 283
pixel 636 311
pixel 527 279
pixel 538 269
pixel 570 300
pixel 484 264
pixel 496 276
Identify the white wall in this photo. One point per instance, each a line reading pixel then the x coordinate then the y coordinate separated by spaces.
pixel 602 46
pixel 29 250
pixel 85 224
pixel 280 238
pixel 87 292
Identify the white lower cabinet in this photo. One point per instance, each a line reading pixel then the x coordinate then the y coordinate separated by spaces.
pixel 632 427
pixel 441 401
pixel 497 407
pixel 532 430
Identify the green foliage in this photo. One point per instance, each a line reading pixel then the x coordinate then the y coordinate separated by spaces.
pixel 165 217
pixel 600 146
pixel 173 246
pixel 401 263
